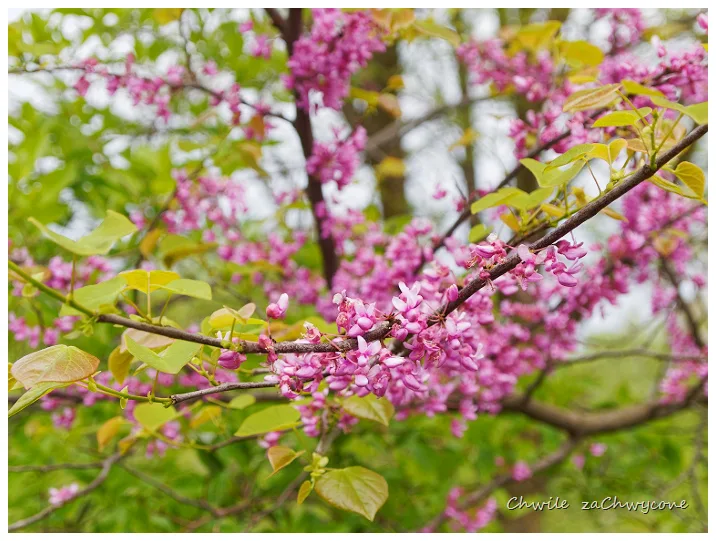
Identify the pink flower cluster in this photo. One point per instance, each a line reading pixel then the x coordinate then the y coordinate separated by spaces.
pixel 338 160
pixel 324 60
pixel 58 496
pixel 469 522
pixel 627 25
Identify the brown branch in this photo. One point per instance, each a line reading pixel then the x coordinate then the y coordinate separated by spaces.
pixel 291 31
pixel 106 467
pixel 276 19
pixel 589 423
pixel 630 353
pixel 241 385
pixel 578 218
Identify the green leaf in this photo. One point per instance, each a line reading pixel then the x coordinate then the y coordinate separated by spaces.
pixel 119 362
pixel 592 98
pixel 692 175
pixel 190 288
pixel 370 407
pixel 59 363
pixel 98 242
pixel 153 415
pixel 632 87
pixel 495 199
pixel 304 491
pixel 94 296
pixel 433 29
pixel 242 401
pixel 478 232
pixel 571 155
pixel 211 413
pixel 169 361
pixel 557 177
pixel 33 395
pixel 699 112
pixel 280 457
pixel 142 280
pixel 271 419
pixel 581 53
pixel 666 185
pixel 621 118
pixel 355 489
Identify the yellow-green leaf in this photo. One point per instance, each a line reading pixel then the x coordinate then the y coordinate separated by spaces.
pixel 169 361
pixel 592 98
pixel 98 242
pixel 370 407
pixel 204 415
pixel 433 29
pixel 108 431
pixel 271 419
pixel 571 155
pixel 692 175
pixel 190 288
pixel 304 491
pixel 621 118
pixel 581 53
pixel 33 395
pixel 143 280
pixel 119 362
pixel 280 457
pixel 390 167
pixel 94 296
pixel 637 89
pixel 699 112
pixel 242 401
pixel 355 489
pixel 468 137
pixel 60 363
pixel 478 232
pixel 153 415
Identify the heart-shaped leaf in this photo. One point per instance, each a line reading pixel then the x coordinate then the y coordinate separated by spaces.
pixel 33 395
pixel 190 288
pixel 280 457
pixel 60 363
pixel 370 407
pixel 94 296
pixel 355 489
pixel 144 281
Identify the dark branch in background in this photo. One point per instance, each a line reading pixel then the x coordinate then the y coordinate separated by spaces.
pixel 290 31
pixel 54 467
pixel 683 305
pixel 106 467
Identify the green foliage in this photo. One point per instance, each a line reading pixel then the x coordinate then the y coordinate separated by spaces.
pixel 169 361
pixel 271 419
pixel 355 489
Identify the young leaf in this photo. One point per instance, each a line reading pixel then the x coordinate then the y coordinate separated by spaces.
pixel 581 53
pixel 303 492
pixel 142 280
pixel 478 232
pixel 33 395
pixel 433 29
pixel 634 88
pixel 242 401
pixel 204 415
pixel 119 362
pixel 370 407
pixel 271 419
pixel 190 288
pixel 495 199
pixel 557 177
pixel 571 155
pixel 94 296
pixel 98 242
pixel 591 98
pixel 621 118
pixel 699 112
pixel 108 431
pixel 146 339
pixel 60 363
pixel 354 489
pixel 280 457
pixel 169 361
pixel 153 415
pixel 692 176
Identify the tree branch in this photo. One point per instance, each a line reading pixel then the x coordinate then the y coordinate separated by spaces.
pixel 106 467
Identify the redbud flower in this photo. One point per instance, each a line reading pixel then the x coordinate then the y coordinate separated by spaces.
pixel 63 494
pixel 278 309
pixel 598 449
pixel 231 360
pixel 521 471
